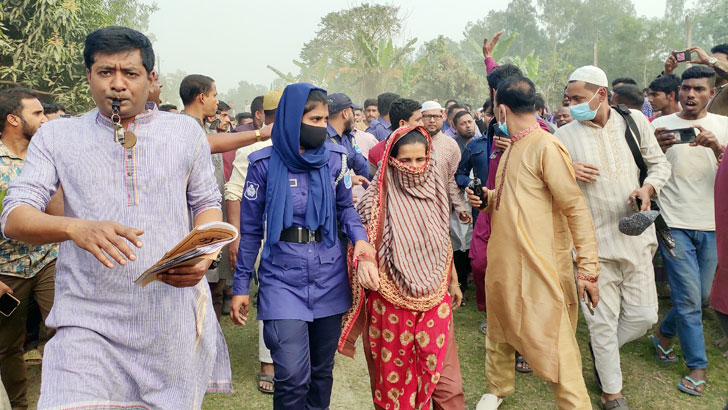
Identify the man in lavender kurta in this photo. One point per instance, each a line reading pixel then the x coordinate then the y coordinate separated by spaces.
pixel 118 345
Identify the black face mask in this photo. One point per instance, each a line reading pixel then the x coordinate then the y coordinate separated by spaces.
pixel 312 137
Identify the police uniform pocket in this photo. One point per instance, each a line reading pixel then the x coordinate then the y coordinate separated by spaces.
pixel 289 269
pixel 329 256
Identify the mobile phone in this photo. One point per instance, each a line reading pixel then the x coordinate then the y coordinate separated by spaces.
pixel 683 135
pixel 478 191
pixel 682 56
pixel 8 304
pixel 589 304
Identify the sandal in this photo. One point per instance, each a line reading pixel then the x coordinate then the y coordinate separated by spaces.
pixel 265 378
pixel 523 363
pixel 33 358
pixel 659 349
pixel 692 391
pixel 616 404
pixel 483 326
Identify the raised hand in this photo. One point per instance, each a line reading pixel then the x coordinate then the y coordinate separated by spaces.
pixel 488 46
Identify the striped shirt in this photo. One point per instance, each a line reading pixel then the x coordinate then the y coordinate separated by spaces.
pixel 607 197
pixel 117 344
pixel 446 152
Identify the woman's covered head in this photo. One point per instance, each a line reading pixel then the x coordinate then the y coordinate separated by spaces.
pixel 411 149
pixel 314 120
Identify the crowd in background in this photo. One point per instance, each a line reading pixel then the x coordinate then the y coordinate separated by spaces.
pixel 368 220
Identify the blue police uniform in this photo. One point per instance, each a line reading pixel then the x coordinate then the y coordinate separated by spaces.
pixel 304 287
pixel 354 158
pixel 380 128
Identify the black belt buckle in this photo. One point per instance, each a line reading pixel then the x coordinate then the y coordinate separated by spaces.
pixel 300 234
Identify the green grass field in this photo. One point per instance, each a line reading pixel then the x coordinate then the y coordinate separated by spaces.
pixel 648 384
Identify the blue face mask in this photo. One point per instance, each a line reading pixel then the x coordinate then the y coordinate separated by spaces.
pixel 504 127
pixel 582 112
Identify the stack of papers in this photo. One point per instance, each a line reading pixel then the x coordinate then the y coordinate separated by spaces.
pixel 204 242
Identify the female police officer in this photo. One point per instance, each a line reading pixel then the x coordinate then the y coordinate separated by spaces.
pixel 298 194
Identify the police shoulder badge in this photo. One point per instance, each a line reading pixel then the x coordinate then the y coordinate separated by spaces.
pixel 251 191
pixel 347 180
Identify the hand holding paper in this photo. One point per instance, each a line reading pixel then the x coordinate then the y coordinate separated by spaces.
pixel 201 245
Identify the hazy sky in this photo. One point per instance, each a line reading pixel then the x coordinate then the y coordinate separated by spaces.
pixel 234 40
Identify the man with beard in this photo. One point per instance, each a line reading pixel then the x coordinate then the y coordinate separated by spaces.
pixel 26 269
pixel 464 128
pixel 341 125
pixel 448 157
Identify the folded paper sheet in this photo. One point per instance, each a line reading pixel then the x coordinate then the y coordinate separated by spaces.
pixel 203 242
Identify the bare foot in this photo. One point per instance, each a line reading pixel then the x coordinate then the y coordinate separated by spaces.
pixel 725 354
pixel 722 342
pixel 697 375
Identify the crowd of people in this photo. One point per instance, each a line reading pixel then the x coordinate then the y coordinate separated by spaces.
pixel 354 221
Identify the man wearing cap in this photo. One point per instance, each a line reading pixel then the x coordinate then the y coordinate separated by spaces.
pixel 233 196
pixel 341 125
pixel 609 178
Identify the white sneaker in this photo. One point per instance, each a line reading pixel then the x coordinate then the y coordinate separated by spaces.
pixel 489 402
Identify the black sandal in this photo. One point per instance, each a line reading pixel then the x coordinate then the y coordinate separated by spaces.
pixel 520 361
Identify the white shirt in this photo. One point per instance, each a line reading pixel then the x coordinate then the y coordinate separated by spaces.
pixel 234 186
pixel 608 196
pixel 686 201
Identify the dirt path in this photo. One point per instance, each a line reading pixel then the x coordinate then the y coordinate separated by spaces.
pixel 351 382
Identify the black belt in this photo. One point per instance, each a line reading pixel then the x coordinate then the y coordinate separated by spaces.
pixel 298 234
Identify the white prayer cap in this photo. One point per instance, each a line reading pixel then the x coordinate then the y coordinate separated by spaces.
pixel 590 74
pixel 430 105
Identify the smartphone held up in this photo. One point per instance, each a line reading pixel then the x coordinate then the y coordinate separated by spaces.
pixel 682 135
pixel 682 56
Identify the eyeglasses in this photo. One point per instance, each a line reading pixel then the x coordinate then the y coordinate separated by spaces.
pixel 428 117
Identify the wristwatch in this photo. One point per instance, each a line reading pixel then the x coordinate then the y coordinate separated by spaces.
pixel 712 61
pixel 257 136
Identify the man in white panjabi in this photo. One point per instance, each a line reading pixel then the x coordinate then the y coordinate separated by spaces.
pixel 609 178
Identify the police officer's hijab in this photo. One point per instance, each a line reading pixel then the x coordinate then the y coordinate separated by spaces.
pixel 286 156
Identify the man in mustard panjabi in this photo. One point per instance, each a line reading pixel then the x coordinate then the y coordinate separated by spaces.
pixel 535 198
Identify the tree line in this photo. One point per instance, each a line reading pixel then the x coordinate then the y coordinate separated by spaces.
pixel 363 52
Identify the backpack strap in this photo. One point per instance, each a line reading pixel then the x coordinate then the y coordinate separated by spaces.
pixel 633 137
pixel 663 231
